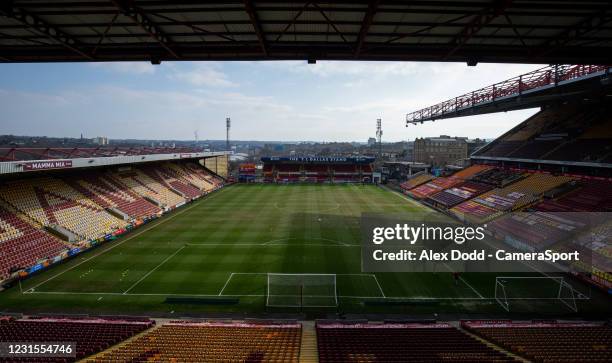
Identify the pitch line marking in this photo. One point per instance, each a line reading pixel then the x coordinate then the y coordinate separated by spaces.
pixel 418 298
pixel 302 273
pixel 377 283
pixel 145 229
pixel 344 244
pixel 226 282
pixel 152 270
pixel 229 244
pixel 466 283
pixel 471 287
pixel 403 196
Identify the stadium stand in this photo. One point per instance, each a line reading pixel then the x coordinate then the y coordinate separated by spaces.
pixel 534 231
pixel 86 206
pixel 472 212
pixel 152 188
pixel 565 133
pixel 185 341
pixel 521 193
pixel 22 245
pixel 470 171
pixel 50 201
pixel 457 194
pixel 498 177
pixel 590 195
pixel 109 193
pixel 317 173
pixel 288 172
pixel 415 181
pixel 435 342
pixel 91 335
pixel 317 169
pixel 173 181
pixel 268 173
pixel 199 176
pixel 549 341
pixel 432 187
pixel 247 172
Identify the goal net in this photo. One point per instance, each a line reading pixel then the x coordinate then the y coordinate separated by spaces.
pixel 511 290
pixel 301 290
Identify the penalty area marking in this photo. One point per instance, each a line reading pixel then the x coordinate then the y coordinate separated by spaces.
pixel 373 276
pixel 153 269
pixel 377 283
pixel 466 283
pixel 226 282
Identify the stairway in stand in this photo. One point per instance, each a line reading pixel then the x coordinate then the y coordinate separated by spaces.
pixel 308 349
pixel 492 345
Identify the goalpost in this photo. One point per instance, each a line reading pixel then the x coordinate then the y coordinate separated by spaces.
pixel 301 290
pixel 534 288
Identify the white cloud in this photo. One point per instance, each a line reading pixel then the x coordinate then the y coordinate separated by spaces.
pixel 203 75
pixel 127 67
pixel 344 68
pixel 275 101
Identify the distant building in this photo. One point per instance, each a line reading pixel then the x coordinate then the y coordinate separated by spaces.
pixel 440 151
pixel 371 141
pixel 100 140
pixel 475 144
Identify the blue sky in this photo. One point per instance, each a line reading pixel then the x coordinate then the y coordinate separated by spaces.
pixel 328 101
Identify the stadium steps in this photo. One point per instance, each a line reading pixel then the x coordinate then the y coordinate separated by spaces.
pixel 493 346
pixel 308 348
pixel 120 345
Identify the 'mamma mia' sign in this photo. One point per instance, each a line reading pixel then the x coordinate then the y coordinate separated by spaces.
pixel 47 164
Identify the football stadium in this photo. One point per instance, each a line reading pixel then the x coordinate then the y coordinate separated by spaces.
pixel 123 253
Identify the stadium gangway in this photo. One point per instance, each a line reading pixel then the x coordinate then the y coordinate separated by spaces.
pixel 539 80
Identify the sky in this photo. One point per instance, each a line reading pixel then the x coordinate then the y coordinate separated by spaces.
pixel 279 100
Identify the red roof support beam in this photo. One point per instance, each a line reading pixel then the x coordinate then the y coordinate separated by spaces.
pixel 365 25
pixel 49 31
pixel 129 9
pixel 481 20
pixel 261 37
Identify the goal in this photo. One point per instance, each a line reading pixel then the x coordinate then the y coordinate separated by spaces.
pixel 532 289
pixel 301 290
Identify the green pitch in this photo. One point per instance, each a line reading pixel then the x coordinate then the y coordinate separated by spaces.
pixel 224 245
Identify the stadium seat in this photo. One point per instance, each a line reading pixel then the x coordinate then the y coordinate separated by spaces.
pixel 109 193
pixel 549 341
pixel 415 181
pixel 50 201
pixel 91 335
pixel 22 245
pixel 437 342
pixel 521 193
pixel 149 188
pixel 184 341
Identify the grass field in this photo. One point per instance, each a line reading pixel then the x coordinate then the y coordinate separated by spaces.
pixel 225 244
